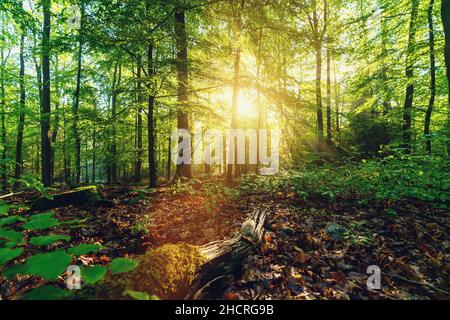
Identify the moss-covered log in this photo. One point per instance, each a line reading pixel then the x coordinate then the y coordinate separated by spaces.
pixel 177 271
pixel 89 195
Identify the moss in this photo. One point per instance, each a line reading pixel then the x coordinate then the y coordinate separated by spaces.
pixel 171 268
pixel 166 272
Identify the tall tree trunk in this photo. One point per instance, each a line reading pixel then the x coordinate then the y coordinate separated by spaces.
pixel 3 168
pixel 329 133
pixel 384 75
pixel 94 153
pixel 319 97
pixel 66 158
pixel 432 77
pixel 76 101
pixel 138 164
pixel 183 169
pixel 445 15
pixel 46 151
pixel 56 120
pixel 232 157
pixel 336 98
pixel 234 122
pixel 258 100
pixel 21 125
pixel 116 84
pixel 169 157
pixel 151 120
pixel 409 77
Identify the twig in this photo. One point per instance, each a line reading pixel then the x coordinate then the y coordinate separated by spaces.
pixel 416 282
pixel 9 195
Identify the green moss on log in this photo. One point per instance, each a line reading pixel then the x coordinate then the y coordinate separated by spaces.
pixel 166 272
pixel 79 196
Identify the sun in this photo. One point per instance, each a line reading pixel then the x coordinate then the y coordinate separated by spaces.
pixel 246 106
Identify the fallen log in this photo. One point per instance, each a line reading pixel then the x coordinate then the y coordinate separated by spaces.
pixel 89 195
pixel 182 271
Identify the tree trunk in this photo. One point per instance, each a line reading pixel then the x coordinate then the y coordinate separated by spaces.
pixel 94 152
pixel 319 97
pixel 329 133
pixel 232 148
pixel 76 102
pixel 116 83
pixel 151 121
pixel 169 157
pixel 445 15
pixel 46 152
pixel 258 101
pixel 4 177
pixel 21 125
pixel 56 121
pixel 336 97
pixel 66 158
pixel 183 169
pixel 138 164
pixel 409 78
pixel 432 77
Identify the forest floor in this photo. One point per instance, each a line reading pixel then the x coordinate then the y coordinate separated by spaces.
pixel 298 258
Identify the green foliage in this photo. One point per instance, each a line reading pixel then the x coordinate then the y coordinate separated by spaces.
pixel 137 295
pixel 7 254
pixel 41 223
pixel 48 240
pixel 10 235
pixel 4 208
pixel 48 265
pixel 120 265
pixel 92 275
pixel 11 219
pixel 84 248
pixel 143 225
pixel 46 292
pixel 394 177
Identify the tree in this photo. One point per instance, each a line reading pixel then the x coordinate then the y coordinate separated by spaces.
pixel 183 169
pixel 138 164
pixel 445 16
pixel 432 77
pixel 21 125
pixel 46 151
pixel 318 32
pixel 76 99
pixel 3 168
pixel 410 76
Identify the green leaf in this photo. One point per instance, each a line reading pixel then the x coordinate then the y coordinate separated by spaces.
pixel 4 208
pixel 7 254
pixel 44 215
pixel 8 220
pixel 137 295
pixel 14 270
pixel 10 235
pixel 120 265
pixel 93 274
pixel 48 265
pixel 84 248
pixel 42 223
pixel 46 293
pixel 47 240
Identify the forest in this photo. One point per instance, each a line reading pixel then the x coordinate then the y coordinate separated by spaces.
pixel 224 149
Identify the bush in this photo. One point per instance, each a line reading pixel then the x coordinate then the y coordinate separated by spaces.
pixel 392 178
